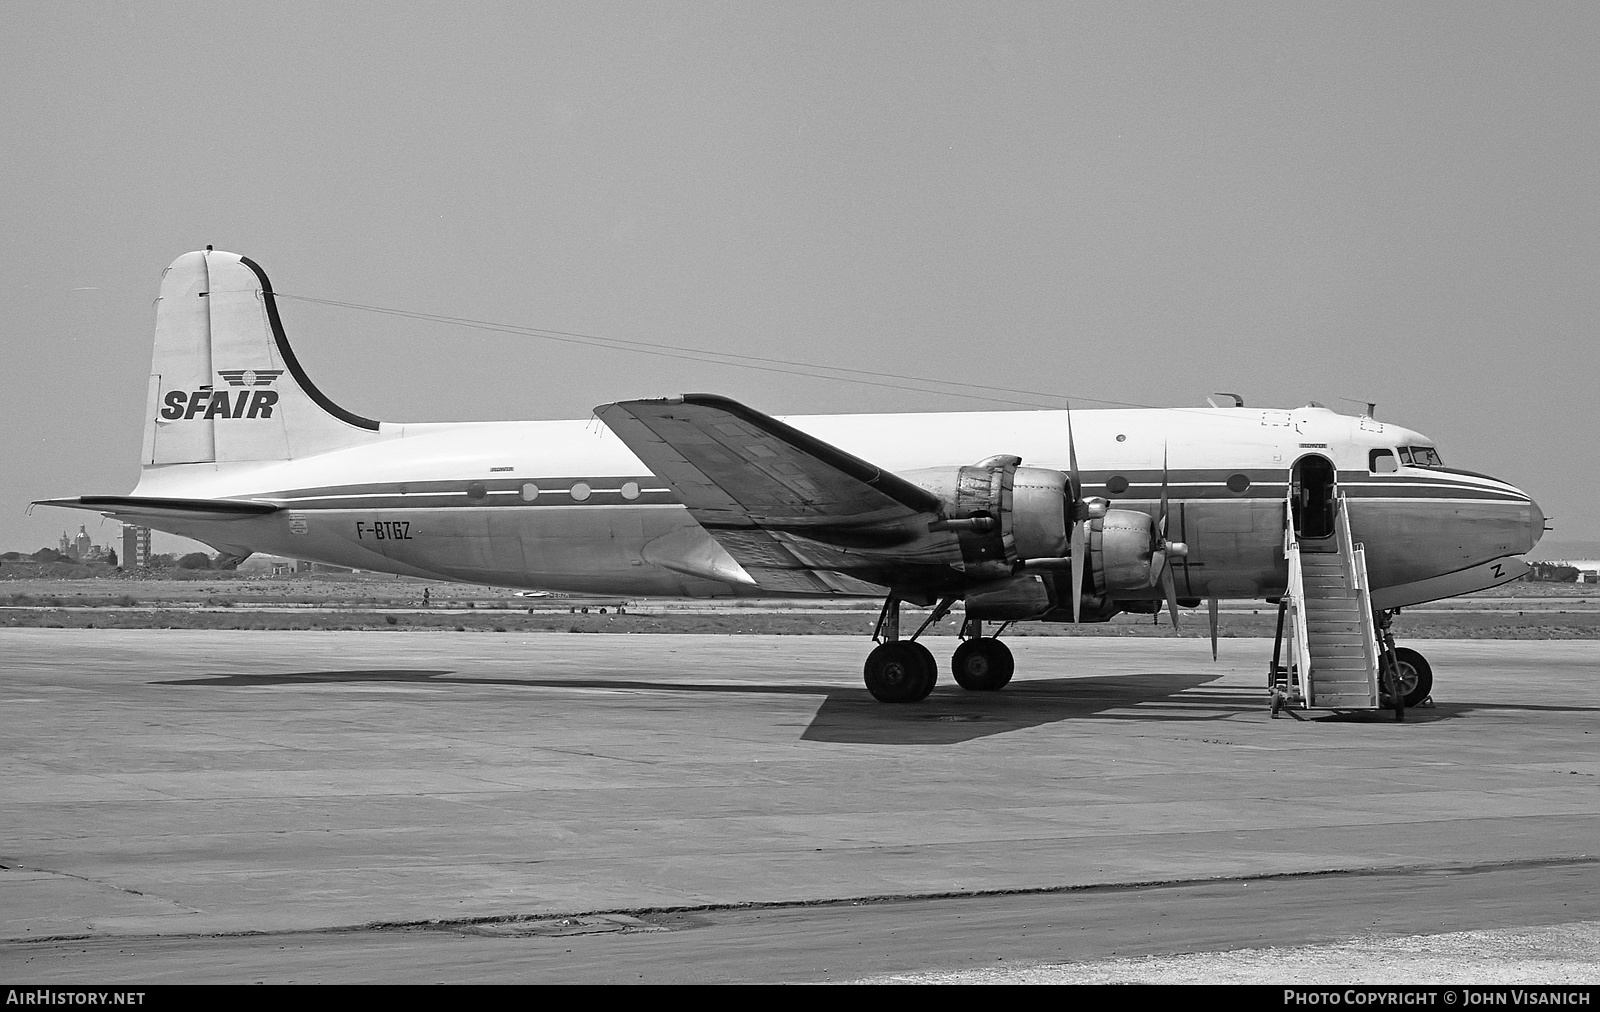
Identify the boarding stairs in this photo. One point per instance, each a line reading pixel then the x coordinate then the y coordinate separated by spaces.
pixel 1334 652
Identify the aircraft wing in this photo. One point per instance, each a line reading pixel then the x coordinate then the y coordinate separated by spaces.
pixel 799 514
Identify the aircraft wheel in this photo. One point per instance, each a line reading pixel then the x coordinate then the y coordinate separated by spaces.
pixel 900 671
pixel 983 665
pixel 1411 676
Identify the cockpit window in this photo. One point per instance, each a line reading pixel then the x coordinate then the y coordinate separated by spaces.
pixel 1420 456
pixel 1382 462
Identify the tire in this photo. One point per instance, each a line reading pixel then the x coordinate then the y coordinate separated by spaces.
pixel 930 670
pixel 983 665
pixel 1414 675
pixel 899 672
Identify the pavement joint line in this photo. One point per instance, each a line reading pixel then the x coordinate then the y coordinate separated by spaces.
pixel 452 924
pixel 96 882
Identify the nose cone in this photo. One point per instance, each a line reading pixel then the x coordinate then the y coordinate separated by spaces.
pixel 1536 520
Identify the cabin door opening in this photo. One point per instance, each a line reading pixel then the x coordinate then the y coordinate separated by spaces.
pixel 1312 481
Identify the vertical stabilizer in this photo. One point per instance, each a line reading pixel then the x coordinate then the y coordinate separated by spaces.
pixel 224 384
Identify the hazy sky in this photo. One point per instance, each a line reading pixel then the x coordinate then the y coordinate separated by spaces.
pixel 1139 202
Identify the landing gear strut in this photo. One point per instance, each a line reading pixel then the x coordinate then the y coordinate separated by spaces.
pixel 981 663
pixel 904 671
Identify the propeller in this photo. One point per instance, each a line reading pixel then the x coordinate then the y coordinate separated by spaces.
pixel 1079 538
pixel 1211 606
pixel 1160 570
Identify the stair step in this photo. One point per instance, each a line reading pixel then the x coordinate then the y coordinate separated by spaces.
pixel 1343 702
pixel 1327 683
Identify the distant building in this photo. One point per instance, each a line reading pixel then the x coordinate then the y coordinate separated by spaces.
pixel 135 547
pixel 1587 570
pixel 80 547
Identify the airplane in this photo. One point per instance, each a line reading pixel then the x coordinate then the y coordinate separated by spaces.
pixel 700 496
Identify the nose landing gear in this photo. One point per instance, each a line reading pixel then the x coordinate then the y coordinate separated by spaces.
pixel 1405 678
pixel 1408 676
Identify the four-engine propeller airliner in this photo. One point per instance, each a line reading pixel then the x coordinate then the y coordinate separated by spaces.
pixel 1055 516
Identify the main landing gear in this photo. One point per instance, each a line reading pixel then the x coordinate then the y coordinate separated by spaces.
pixel 904 671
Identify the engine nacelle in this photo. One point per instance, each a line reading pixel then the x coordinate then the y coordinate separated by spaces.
pixel 1003 512
pixel 1022 597
pixel 1120 547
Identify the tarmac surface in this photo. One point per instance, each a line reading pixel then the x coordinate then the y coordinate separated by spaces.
pixel 420 806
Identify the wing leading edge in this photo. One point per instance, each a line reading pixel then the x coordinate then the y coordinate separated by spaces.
pixel 800 515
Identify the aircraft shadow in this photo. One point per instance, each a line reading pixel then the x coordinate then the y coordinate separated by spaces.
pixel 950 716
pixel 428 677
pixel 953 715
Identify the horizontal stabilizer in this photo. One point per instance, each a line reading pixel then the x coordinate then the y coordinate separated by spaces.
pixel 131 507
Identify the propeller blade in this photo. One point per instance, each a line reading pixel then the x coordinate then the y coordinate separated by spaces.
pixel 1078 548
pixel 1163 490
pixel 1211 606
pixel 1078 521
pixel 1170 587
pixel 1158 551
pixel 1072 462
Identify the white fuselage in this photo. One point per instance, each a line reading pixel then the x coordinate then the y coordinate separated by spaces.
pixel 565 506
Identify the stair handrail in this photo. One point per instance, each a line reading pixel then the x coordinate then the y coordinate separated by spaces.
pixel 1355 556
pixel 1299 634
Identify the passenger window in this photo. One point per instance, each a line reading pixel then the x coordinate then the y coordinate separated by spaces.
pixel 1382 462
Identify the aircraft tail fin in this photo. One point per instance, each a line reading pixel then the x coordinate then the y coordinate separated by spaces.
pixel 224 384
